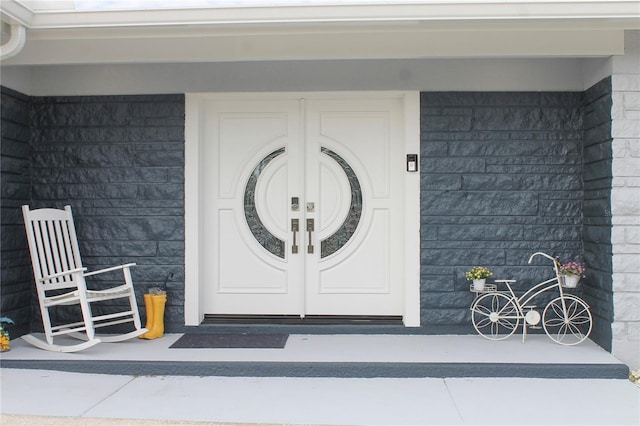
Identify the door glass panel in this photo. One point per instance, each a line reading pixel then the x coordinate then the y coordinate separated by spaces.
pixel 270 242
pixel 338 239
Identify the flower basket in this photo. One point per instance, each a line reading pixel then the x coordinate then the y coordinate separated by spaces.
pixel 570 281
pixel 570 274
pixel 479 275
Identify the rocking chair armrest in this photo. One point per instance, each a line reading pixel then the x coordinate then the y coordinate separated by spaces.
pixel 113 268
pixel 62 274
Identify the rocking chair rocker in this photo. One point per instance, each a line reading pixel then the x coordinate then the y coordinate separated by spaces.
pixel 60 281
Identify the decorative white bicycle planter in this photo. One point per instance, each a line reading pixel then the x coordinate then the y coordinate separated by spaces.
pixel 497 314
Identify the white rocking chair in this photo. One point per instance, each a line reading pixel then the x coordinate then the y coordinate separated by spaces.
pixel 60 280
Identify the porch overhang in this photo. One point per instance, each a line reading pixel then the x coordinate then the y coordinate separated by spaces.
pixel 323 31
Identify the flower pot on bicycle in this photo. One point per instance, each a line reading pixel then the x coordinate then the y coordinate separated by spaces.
pixel 478 285
pixel 570 281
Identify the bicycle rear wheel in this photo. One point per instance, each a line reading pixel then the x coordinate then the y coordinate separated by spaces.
pixel 495 316
pixel 567 320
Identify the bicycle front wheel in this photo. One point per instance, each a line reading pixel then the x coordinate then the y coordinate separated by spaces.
pixel 567 320
pixel 495 316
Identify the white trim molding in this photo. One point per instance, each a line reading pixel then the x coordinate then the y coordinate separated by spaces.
pixel 609 12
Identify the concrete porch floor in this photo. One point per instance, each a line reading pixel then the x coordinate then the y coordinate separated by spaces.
pixel 321 379
pixel 336 355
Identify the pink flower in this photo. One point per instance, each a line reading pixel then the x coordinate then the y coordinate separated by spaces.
pixel 572 268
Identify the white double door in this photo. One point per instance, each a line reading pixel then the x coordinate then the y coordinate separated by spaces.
pixel 303 205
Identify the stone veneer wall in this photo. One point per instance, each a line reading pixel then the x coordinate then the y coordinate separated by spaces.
pixel 119 162
pixel 625 201
pixel 16 283
pixel 597 209
pixel 501 179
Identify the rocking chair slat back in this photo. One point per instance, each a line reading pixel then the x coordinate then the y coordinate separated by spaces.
pixel 53 246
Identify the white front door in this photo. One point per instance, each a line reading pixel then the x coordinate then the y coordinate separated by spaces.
pixel 303 205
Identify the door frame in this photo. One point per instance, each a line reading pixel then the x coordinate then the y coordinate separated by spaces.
pixel 194 193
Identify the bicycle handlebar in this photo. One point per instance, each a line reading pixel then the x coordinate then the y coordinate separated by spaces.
pixel 556 262
pixel 539 253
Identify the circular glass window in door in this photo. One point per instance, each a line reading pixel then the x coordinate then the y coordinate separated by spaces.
pixel 345 231
pixel 264 236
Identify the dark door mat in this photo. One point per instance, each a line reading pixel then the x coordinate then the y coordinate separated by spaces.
pixel 229 340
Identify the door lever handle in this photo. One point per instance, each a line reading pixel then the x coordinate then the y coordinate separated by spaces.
pixel 310 231
pixel 295 227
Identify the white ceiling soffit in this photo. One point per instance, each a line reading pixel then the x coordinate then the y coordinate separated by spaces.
pixel 383 29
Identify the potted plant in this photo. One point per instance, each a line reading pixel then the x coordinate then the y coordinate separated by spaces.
pixel 479 275
pixel 570 273
pixel 4 334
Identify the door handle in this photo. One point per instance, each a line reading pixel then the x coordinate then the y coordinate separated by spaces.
pixel 295 227
pixel 310 231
